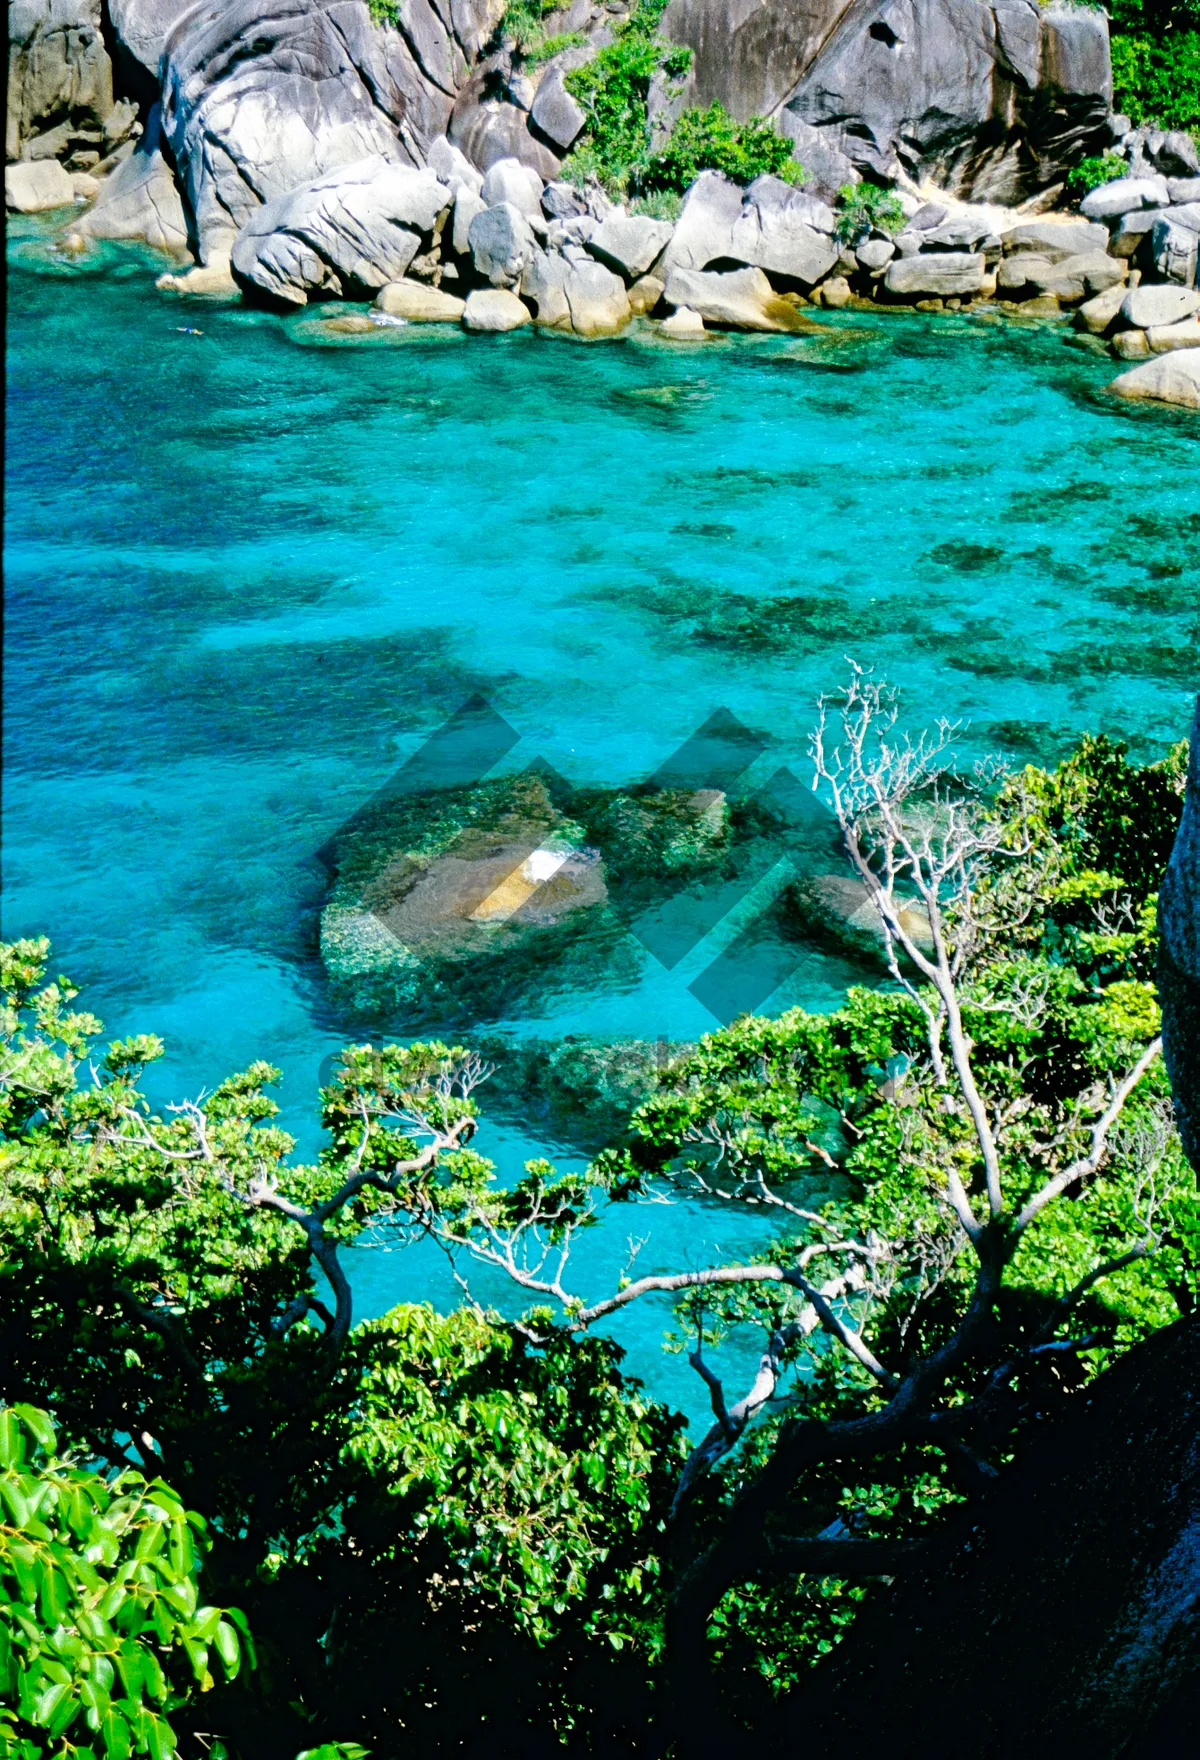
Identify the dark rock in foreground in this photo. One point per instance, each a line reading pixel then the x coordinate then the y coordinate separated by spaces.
pixel 1068 1621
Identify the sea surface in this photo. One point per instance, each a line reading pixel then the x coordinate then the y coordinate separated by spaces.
pixel 252 566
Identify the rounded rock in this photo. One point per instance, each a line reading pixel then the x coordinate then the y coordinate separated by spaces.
pixel 494 309
pixel 1151 308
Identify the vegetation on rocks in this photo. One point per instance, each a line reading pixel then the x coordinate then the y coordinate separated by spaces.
pixel 617 145
pixel 466 1533
pixel 524 26
pixel 1156 62
pixel 864 208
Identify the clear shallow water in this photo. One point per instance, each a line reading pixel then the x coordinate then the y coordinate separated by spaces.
pixel 249 571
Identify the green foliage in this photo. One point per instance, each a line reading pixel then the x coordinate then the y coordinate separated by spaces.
pixel 1111 826
pixel 616 146
pixel 864 208
pixel 384 13
pixel 457 1511
pixel 704 140
pixel 102 1631
pixel 523 26
pixel 1156 78
pixel 1090 173
pixel 447 1491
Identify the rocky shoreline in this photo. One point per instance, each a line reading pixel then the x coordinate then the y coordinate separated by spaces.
pixel 302 164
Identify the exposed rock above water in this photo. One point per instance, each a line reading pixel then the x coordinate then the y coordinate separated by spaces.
pixel 990 101
pixel 351 231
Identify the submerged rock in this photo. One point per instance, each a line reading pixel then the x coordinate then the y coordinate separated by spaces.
pixel 429 888
pixel 840 907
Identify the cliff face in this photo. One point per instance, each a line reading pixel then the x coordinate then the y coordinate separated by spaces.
pixel 991 101
pixel 1067 1622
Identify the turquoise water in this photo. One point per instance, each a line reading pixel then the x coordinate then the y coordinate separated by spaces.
pixel 250 570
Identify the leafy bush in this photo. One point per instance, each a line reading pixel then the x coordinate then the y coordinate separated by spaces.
pixel 863 208
pixel 384 13
pixel 523 26
pixel 1090 173
pixel 1157 80
pixel 616 147
pixel 710 140
pixel 102 1632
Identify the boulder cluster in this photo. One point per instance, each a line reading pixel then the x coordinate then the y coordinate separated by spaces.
pixel 310 152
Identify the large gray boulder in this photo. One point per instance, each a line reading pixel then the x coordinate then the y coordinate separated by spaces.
pixel 770 226
pixel 991 100
pixel 258 101
pixel 938 275
pixel 140 199
pixel 60 82
pixel 735 299
pixel 630 243
pixel 1125 195
pixel 785 231
pixel 143 26
pixel 502 244
pixel 1175 249
pixel 576 294
pixel 1169 378
pixel 350 232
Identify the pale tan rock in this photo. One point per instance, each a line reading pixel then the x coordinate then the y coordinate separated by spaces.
pixel 86 187
pixel 835 293
pixel 1166 338
pixel 491 309
pixel 683 322
pixel 214 277
pixel 1131 345
pixel 36 185
pixel 1098 314
pixel 1171 378
pixel 423 305
pixel 739 299
pixel 645 294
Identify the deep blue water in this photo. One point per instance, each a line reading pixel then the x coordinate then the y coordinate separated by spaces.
pixel 250 570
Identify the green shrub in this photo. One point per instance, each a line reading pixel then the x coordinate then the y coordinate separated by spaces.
pixel 710 140
pixel 1090 173
pixel 864 207
pixel 1157 79
pixel 523 26
pixel 384 12
pixel 615 146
